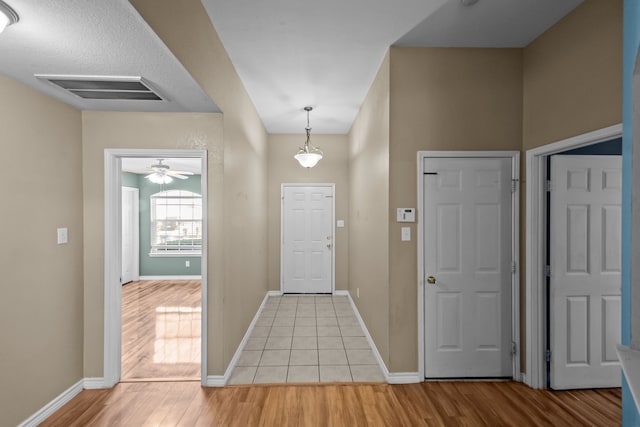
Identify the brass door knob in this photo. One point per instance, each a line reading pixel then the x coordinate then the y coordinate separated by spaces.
pixel 328 245
pixel 431 280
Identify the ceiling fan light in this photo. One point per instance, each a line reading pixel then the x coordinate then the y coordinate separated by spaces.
pixel 158 178
pixel 8 16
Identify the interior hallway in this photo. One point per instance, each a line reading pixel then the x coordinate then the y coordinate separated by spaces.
pixel 161 330
pixel 307 338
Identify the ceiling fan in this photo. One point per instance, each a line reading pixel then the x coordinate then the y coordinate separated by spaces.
pixel 162 174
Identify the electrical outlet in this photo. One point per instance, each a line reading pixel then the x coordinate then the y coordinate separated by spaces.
pixel 187 263
pixel 357 292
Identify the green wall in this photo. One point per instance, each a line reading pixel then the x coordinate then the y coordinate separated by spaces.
pixel 160 266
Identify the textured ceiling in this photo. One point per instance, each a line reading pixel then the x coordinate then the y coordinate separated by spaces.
pixel 106 38
pixel 288 53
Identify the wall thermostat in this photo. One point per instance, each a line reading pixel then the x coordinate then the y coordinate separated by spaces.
pixel 406 215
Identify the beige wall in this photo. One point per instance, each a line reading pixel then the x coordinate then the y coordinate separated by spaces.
pixel 333 168
pixel 41 286
pixel 572 84
pixel 441 99
pixel 103 130
pixel 573 75
pixel 187 31
pixel 369 210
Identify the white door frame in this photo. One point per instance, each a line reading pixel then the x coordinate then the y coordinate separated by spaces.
pixel 113 257
pixel 515 246
pixel 332 186
pixel 135 232
pixel 536 242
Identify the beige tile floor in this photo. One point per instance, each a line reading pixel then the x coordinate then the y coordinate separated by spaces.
pixel 306 338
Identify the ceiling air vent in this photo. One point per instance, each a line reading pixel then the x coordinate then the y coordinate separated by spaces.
pixel 104 87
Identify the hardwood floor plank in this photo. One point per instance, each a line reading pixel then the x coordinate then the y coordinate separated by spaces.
pixel 424 404
pixel 161 329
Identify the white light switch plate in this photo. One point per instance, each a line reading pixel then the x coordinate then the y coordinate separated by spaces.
pixel 63 235
pixel 406 234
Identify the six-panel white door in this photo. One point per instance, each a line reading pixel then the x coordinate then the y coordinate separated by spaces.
pixel 307 239
pixel 467 233
pixel 585 253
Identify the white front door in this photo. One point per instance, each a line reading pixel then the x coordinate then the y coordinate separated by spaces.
pixel 130 236
pixel 307 239
pixel 468 263
pixel 585 253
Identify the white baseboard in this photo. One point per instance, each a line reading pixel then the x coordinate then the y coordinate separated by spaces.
pixel 341 293
pixel 403 377
pixel 222 380
pixel 390 377
pixel 51 407
pixel 195 277
pixel 215 381
pixel 94 383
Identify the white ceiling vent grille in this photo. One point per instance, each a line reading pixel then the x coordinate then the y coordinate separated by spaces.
pixel 105 87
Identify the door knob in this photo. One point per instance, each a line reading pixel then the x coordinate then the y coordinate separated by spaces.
pixel 431 280
pixel 328 245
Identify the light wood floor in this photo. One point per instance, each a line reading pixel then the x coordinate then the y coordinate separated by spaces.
pixel 425 404
pixel 161 330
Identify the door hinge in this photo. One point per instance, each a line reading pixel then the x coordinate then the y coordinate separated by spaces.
pixel 514 185
pixel 514 267
pixel 547 271
pixel 547 356
pixel 547 186
pixel 513 347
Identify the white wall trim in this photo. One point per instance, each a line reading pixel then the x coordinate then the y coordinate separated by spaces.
pixel 93 383
pixel 333 229
pixel 222 380
pixel 51 407
pixel 515 247
pixel 404 377
pixel 183 277
pixel 112 255
pixel 390 377
pixel 536 244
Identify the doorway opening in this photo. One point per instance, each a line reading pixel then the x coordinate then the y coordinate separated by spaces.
pixel 468 294
pixel 583 266
pixel 162 238
pixel 539 259
pixel 155 306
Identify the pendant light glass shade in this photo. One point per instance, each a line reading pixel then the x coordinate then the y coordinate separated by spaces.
pixel 308 160
pixel 308 156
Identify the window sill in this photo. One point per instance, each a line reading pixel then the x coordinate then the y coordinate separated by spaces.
pixel 176 255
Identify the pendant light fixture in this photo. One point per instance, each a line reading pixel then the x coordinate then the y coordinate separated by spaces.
pixel 308 156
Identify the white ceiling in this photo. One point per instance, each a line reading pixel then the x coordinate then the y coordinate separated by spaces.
pixel 142 165
pixel 288 53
